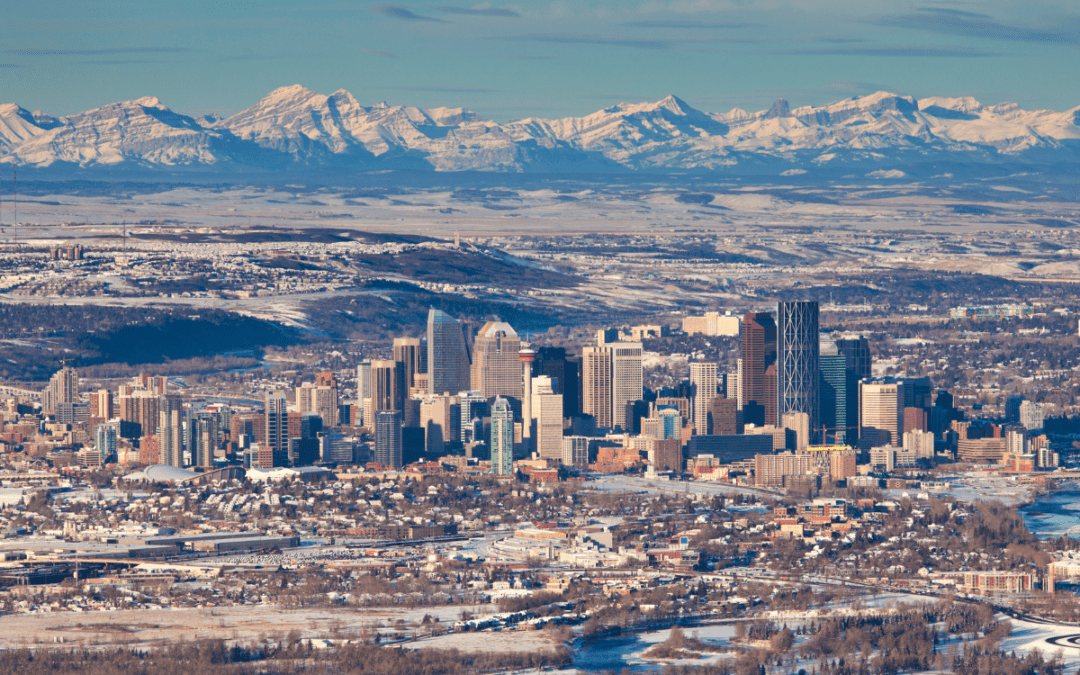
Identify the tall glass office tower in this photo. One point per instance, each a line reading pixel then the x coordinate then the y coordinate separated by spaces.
pixel 449 364
pixel 797 359
pixel 838 396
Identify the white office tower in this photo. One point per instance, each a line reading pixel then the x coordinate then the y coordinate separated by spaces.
pixel 881 413
pixel 547 416
pixel 799 422
pixel 738 384
pixel 627 381
pixel 1031 415
pixel 703 386
pixel 435 412
pixel 502 438
pixel 596 385
pixel 363 389
pixel 575 450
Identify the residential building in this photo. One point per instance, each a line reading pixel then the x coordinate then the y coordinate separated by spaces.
pixel 277 428
pixel 170 430
pixel 1031 415
pixel 63 387
pixel 502 438
pixel 770 469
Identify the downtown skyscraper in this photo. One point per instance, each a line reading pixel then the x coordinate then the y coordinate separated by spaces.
pixel 502 438
pixel 703 389
pixel 838 396
pixel 758 376
pixel 449 362
pixel 496 368
pixel 277 428
pixel 797 361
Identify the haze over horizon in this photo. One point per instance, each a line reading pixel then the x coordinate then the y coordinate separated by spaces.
pixel 512 60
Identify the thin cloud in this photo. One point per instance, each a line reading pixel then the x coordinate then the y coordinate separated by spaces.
pixel 529 57
pixel 967 24
pixel 658 23
pixel 891 50
pixel 492 11
pixel 450 90
pixel 380 52
pixel 399 12
pixel 97 52
pixel 595 40
pixel 838 40
pixel 954 12
pixel 118 62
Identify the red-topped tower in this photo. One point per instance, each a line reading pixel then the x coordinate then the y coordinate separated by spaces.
pixel 527 355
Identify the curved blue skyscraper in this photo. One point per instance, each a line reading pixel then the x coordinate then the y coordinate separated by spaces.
pixel 449 364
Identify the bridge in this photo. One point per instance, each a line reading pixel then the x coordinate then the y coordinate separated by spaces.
pixel 15 391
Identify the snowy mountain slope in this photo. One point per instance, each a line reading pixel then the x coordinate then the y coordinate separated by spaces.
pixel 293 126
pixel 141 131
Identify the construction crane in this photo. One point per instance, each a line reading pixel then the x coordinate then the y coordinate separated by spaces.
pixel 825 430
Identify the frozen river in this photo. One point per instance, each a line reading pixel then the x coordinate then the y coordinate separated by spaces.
pixel 1054 514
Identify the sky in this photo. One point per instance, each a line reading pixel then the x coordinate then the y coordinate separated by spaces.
pixel 549 59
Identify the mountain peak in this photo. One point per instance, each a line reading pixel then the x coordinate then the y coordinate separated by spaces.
pixel 780 108
pixel 964 104
pixel 149 102
pixel 674 104
pixel 289 93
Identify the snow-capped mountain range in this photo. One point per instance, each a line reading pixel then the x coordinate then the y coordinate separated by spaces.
pixel 294 128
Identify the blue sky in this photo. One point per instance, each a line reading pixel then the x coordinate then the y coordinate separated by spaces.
pixel 551 59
